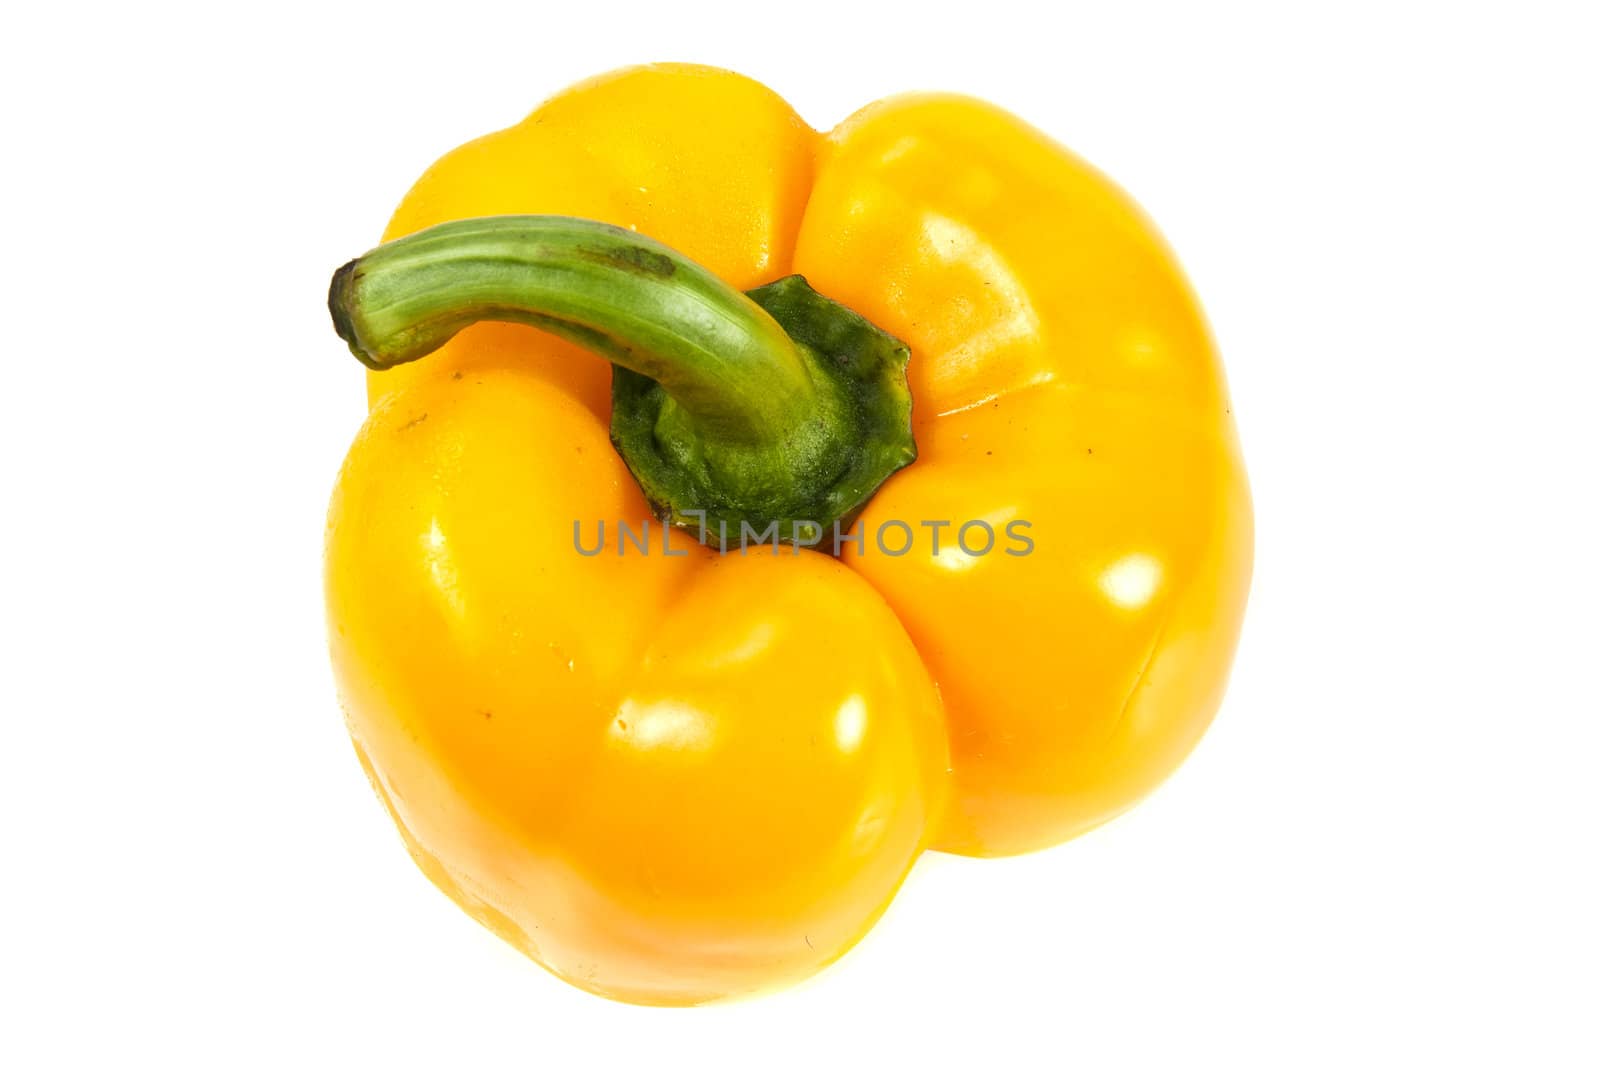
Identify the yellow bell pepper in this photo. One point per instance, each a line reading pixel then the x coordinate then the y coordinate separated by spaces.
pixel 672 771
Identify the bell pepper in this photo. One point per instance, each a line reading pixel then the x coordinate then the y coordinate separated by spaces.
pixel 968 382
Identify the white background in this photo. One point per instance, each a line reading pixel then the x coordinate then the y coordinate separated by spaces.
pixel 1384 851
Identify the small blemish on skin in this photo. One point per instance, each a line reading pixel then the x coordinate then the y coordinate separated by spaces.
pixel 418 421
pixel 456 376
pixel 638 260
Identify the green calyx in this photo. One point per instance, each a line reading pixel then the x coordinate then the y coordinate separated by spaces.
pixel 733 411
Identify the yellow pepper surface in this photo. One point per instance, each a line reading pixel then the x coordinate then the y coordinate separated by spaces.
pixel 676 778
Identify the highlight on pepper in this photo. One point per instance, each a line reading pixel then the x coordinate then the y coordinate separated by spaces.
pixel 663 303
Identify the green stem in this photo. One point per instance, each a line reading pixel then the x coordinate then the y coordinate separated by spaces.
pixel 780 405
pixel 632 300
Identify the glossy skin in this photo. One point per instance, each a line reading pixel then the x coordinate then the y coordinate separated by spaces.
pixel 674 779
pixel 1063 375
